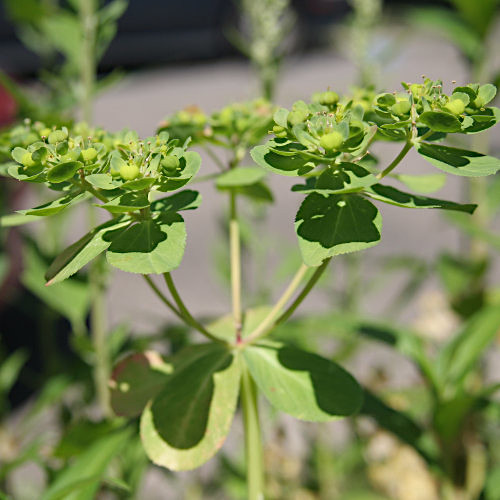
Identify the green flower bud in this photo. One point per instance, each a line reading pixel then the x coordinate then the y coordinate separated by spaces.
pixel 401 108
pixel 129 171
pixel 279 131
pixel 27 160
pixel 331 141
pixel 455 107
pixel 57 136
pixel 329 98
pixel 89 155
pixel 45 132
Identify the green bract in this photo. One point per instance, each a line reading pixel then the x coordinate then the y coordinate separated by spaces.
pixel 125 175
pixel 327 142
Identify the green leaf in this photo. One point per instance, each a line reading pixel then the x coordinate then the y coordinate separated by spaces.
pixel 63 31
pixel 102 181
pixel 80 253
pixel 240 176
pixel 335 224
pixel 71 299
pixel 81 479
pixel 258 192
pixel 303 384
pixel 393 196
pixel 482 120
pixel 440 121
pixel 280 117
pixel 153 246
pixel 135 380
pixel 184 200
pixel 186 424
pixel 56 206
pixel 17 220
pixel 342 178
pixel 486 93
pixel 462 353
pixel 423 183
pixel 63 171
pixel 9 370
pixel 289 165
pixel 459 161
pixel 30 174
pixel 127 202
pixel 396 422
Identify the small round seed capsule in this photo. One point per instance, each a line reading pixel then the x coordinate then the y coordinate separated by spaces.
pixel 331 141
pixel 27 160
pixel 329 98
pixel 89 155
pixel 129 171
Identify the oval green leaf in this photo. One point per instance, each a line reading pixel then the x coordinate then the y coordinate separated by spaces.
pixel 335 224
pixel 188 421
pixel 304 385
pixel 135 380
pixel 458 161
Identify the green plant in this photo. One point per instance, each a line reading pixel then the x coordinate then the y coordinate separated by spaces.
pixel 188 401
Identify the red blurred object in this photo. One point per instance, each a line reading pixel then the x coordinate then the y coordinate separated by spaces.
pixel 8 107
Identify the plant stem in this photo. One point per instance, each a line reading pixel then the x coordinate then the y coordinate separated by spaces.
pixel 183 310
pixel 98 331
pixel 235 257
pixel 88 62
pixel 396 161
pixel 214 158
pixel 305 291
pixel 269 320
pixel 162 297
pixel 253 438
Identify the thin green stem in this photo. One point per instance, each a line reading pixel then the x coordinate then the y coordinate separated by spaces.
pixel 269 320
pixel 88 61
pixel 253 438
pixel 214 158
pixel 162 297
pixel 187 316
pixel 396 160
pixel 98 331
pixel 235 258
pixel 203 178
pixel 304 293
pixel 98 327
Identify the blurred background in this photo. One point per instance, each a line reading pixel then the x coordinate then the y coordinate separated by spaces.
pixel 162 56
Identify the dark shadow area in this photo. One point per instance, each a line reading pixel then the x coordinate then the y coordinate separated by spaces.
pixel 335 390
pixel 180 412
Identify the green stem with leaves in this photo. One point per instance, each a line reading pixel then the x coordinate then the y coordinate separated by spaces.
pixel 253 438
